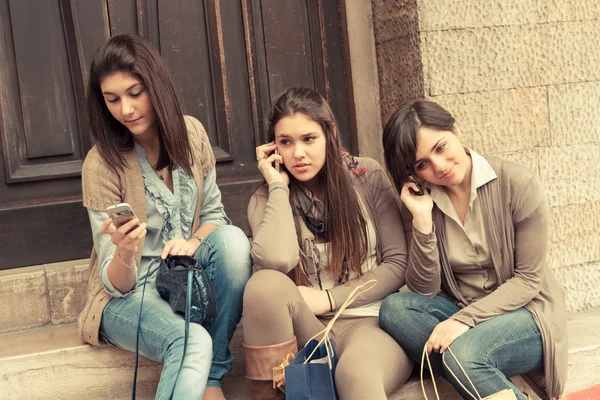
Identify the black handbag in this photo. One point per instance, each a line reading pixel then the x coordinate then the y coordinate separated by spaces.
pixel 183 284
pixel 172 281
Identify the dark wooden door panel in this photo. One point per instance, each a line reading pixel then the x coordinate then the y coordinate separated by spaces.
pixel 229 58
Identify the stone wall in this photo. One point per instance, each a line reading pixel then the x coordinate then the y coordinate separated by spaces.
pixel 522 78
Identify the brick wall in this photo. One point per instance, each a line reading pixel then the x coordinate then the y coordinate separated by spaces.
pixel 522 78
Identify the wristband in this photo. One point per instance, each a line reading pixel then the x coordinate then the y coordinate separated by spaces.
pixel 329 298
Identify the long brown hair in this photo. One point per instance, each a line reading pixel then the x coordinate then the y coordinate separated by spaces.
pixel 400 136
pixel 347 230
pixel 133 55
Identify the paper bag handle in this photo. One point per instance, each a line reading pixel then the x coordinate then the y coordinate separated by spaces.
pixel 365 287
pixel 426 356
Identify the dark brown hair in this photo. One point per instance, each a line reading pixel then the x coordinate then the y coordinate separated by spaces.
pixel 346 230
pixel 400 136
pixel 133 55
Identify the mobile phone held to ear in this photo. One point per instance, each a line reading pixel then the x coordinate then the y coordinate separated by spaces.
pixel 418 192
pixel 276 163
pixel 121 214
pixel 420 189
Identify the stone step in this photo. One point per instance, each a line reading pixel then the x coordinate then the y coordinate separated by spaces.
pixel 50 362
pixel 39 345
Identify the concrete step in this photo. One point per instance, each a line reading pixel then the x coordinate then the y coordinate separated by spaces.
pixel 50 362
pixel 42 357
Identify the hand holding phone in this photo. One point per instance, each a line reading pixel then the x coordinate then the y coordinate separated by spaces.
pixel 121 214
pixel 419 191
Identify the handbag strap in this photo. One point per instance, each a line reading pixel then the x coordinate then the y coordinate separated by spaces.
pixel 365 287
pixel 188 306
pixel 137 338
pixel 425 355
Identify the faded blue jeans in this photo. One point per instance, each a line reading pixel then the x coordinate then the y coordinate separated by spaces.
pixel 225 256
pixel 501 347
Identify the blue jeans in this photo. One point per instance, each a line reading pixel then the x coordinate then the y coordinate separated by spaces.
pixel 501 347
pixel 225 256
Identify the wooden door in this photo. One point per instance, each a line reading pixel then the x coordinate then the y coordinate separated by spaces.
pixel 228 59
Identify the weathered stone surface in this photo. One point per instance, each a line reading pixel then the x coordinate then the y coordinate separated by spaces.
pixel 571 174
pixel 574 113
pixel 572 10
pixel 529 158
pixel 24 299
pixel 54 364
pixel 500 121
pixel 509 57
pixel 574 235
pixel 584 351
pixel 67 289
pixel 581 283
pixel 400 70
pixel 448 14
pixel 365 78
pixel 397 22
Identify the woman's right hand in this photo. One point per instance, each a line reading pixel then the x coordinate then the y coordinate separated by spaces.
pixel 126 243
pixel 419 206
pixel 265 156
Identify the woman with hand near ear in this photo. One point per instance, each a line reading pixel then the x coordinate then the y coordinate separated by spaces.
pixel 323 225
pixel 477 266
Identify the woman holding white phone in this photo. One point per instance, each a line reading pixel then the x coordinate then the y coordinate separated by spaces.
pixel 160 162
pixel 323 224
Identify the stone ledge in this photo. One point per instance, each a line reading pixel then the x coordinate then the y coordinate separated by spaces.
pixel 35 362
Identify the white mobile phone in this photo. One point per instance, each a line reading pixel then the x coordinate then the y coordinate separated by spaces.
pixel 121 214
pixel 276 163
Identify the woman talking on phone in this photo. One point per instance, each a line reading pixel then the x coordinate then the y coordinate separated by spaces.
pixel 322 225
pixel 478 236
pixel 160 162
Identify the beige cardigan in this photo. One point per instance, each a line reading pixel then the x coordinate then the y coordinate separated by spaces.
pixel 275 244
pixel 517 219
pixel 104 186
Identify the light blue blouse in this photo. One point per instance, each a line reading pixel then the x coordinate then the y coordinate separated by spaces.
pixel 169 215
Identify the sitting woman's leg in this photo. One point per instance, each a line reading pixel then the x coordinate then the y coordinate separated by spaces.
pixel 504 346
pixel 276 318
pixel 371 364
pixel 225 256
pixel 161 339
pixel 410 318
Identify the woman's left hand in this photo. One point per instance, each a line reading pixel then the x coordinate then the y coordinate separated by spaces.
pixel 317 300
pixel 180 247
pixel 444 334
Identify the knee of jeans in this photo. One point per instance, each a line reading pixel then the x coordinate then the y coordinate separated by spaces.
pixel 199 338
pixel 266 287
pixel 231 245
pixel 467 355
pixel 393 306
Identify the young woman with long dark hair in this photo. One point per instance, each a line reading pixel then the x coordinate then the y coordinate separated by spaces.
pixel 160 162
pixel 323 224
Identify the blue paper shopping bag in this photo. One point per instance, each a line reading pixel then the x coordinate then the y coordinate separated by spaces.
pixel 311 374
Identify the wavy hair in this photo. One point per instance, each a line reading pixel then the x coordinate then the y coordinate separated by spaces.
pixel 346 231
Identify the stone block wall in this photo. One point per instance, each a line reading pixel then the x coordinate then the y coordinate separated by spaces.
pixel 522 79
